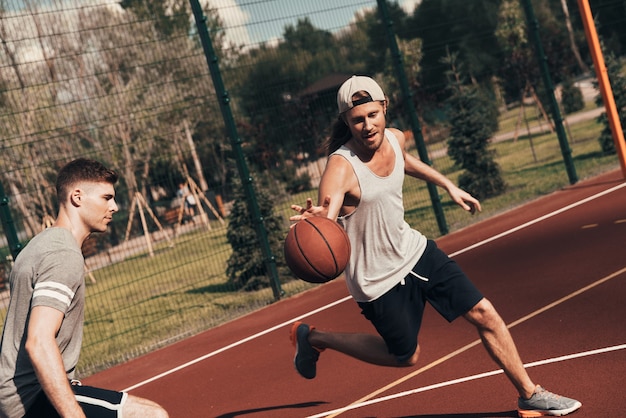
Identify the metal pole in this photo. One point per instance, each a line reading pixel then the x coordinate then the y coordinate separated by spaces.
pixel 8 225
pixel 244 173
pixel 566 151
pixel 415 125
pixel 603 82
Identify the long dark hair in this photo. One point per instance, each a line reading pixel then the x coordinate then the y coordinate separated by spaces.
pixel 340 134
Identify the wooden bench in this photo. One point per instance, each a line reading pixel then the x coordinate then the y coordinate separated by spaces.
pixel 170 216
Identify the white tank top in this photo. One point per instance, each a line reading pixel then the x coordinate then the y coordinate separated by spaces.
pixel 384 247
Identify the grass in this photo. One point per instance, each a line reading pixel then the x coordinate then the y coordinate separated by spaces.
pixel 531 166
pixel 147 302
pixel 144 302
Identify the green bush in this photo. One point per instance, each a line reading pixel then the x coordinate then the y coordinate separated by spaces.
pixel 571 98
pixel 294 182
pixel 246 266
pixel 473 121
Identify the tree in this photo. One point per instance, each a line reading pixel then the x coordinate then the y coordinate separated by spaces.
pixel 168 17
pixel 411 51
pixel 377 44
pixel 556 40
pixel 112 85
pixel 246 266
pixel 617 79
pixel 473 120
pixel 155 94
pixel 572 38
pixel 464 27
pixel 30 97
pixel 275 115
pixel 518 69
pixel 610 25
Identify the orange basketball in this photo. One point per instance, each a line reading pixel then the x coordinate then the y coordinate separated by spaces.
pixel 317 249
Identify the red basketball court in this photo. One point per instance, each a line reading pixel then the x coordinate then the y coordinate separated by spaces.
pixel 555 269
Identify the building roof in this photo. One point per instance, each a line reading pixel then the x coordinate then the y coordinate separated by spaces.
pixel 330 82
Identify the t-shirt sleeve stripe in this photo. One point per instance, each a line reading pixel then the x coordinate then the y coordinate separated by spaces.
pixel 54 290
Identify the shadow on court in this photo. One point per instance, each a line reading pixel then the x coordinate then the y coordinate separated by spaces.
pixel 270 408
pixel 512 413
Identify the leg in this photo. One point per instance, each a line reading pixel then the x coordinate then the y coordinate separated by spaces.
pixel 500 346
pixel 366 347
pixel 397 317
pixel 534 400
pixel 136 407
pixel 98 402
pixel 309 342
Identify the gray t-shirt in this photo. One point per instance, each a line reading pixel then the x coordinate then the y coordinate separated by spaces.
pixel 49 271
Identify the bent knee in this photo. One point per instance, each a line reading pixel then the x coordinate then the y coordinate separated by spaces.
pixel 140 407
pixel 160 412
pixel 483 314
pixel 155 411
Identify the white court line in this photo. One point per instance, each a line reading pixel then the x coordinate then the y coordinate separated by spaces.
pixel 235 344
pixel 478 341
pixel 467 379
pixel 542 218
pixel 330 305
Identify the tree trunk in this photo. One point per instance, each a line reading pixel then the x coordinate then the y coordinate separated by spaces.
pixel 196 161
pixel 31 227
pixel 572 41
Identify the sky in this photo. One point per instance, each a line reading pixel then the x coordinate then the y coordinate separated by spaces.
pixel 246 22
pixel 252 21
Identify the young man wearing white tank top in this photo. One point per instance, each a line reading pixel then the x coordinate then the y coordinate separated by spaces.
pixel 393 268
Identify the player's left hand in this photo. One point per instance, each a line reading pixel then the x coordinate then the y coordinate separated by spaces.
pixel 464 199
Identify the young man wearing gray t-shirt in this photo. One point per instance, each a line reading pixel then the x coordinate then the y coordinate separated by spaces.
pixel 43 330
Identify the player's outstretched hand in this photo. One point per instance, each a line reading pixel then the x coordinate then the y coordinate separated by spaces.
pixel 464 199
pixel 310 210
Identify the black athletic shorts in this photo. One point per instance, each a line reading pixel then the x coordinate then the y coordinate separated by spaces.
pixel 96 403
pixel 436 279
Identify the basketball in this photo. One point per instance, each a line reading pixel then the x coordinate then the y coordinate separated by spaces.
pixel 317 249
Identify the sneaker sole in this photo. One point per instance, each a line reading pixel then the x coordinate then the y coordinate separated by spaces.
pixel 292 333
pixel 523 413
pixel 529 414
pixel 293 336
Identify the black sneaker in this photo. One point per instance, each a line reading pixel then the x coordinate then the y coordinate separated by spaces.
pixel 546 403
pixel 306 355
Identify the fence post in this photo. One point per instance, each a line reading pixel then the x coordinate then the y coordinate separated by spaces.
pixel 415 125
pixel 533 27
pixel 8 225
pixel 244 173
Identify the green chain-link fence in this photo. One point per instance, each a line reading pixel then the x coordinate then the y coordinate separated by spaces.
pixel 128 83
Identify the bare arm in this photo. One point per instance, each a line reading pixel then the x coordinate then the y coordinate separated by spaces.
pixel 338 192
pixel 43 325
pixel 414 167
